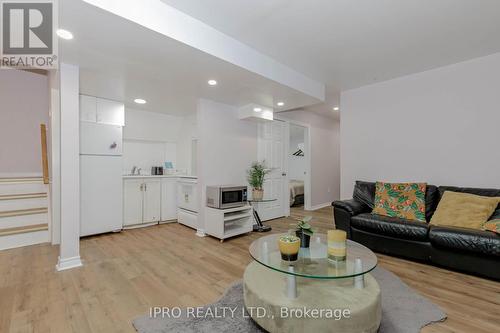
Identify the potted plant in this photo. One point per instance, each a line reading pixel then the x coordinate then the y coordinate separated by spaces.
pixel 255 177
pixel 304 231
pixel 289 246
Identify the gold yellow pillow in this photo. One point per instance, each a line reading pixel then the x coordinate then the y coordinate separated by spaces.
pixel 464 210
pixel 402 200
pixel 493 225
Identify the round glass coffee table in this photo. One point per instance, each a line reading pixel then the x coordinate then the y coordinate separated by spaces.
pixel 313 292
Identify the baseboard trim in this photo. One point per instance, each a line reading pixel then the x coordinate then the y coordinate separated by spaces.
pixel 323 205
pixel 68 263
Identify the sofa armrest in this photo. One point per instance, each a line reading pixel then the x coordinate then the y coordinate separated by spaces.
pixel 351 206
pixel 344 210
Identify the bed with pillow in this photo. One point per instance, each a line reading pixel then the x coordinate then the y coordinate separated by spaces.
pixel 296 192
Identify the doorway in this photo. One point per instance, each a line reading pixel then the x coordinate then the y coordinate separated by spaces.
pixel 298 165
pixel 285 147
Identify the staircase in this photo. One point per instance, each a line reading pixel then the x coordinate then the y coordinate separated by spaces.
pixel 24 218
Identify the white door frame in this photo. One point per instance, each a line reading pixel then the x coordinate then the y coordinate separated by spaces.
pixel 307 144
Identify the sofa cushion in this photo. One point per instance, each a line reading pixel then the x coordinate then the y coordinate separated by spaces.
pixel 468 240
pixel 485 192
pixel 431 201
pixel 464 210
pixel 403 200
pixel 496 214
pixel 391 226
pixel 365 192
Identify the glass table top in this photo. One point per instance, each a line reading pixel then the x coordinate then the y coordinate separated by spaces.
pixel 262 200
pixel 313 262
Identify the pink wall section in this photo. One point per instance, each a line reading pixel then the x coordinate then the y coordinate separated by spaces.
pixel 24 105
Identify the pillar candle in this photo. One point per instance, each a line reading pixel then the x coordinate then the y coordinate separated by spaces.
pixel 337 245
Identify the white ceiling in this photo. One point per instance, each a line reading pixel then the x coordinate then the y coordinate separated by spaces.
pixel 351 43
pixel 121 60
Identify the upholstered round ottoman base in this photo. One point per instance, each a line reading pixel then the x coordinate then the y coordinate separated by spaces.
pixel 321 305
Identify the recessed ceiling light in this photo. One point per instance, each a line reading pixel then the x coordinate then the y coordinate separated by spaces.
pixel 280 103
pixel 212 82
pixel 257 109
pixel 64 34
pixel 140 101
pixel 336 108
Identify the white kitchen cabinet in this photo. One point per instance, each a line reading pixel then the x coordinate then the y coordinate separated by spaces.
pixel 132 201
pixel 88 108
pixel 142 201
pixel 152 201
pixel 187 202
pixel 168 199
pixel 101 111
pixel 110 112
pixel 100 139
pixel 187 195
pixel 187 218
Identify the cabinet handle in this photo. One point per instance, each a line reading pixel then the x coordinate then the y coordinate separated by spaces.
pixel 141 187
pixel 145 187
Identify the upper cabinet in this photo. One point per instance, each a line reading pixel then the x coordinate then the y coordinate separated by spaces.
pixel 88 108
pixel 110 112
pixel 101 111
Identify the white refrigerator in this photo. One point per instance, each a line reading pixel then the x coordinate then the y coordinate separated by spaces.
pixel 101 193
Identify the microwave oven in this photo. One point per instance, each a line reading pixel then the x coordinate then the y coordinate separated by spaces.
pixel 226 196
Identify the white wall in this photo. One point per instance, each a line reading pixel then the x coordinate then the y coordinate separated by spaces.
pixel 325 165
pixel 24 105
pixel 152 138
pixel 296 164
pixel 185 143
pixel 439 126
pixel 226 147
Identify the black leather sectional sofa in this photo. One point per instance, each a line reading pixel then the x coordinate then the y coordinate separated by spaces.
pixel 472 251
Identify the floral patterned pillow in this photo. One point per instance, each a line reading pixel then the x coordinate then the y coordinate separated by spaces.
pixel 402 200
pixel 492 225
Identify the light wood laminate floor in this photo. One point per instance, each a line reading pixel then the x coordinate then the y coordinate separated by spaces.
pixel 124 274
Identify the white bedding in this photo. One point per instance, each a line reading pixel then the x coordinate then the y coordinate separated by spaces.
pixel 296 188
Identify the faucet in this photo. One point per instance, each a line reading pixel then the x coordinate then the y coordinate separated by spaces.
pixel 134 168
pixel 139 171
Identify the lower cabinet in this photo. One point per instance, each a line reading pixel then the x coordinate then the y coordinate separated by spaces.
pixel 152 201
pixel 168 199
pixel 142 201
pixel 132 201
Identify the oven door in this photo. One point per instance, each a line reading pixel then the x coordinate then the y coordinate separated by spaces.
pixel 233 197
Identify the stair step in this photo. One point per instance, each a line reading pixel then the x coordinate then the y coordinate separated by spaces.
pixel 11 241
pixel 25 229
pixel 22 212
pixel 22 196
pixel 7 189
pixel 22 180
pixel 22 202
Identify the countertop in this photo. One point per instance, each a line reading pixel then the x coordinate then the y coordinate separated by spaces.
pixel 158 176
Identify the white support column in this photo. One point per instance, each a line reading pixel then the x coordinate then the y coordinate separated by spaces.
pixel 69 255
pixel 359 281
pixel 55 158
pixel 291 284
